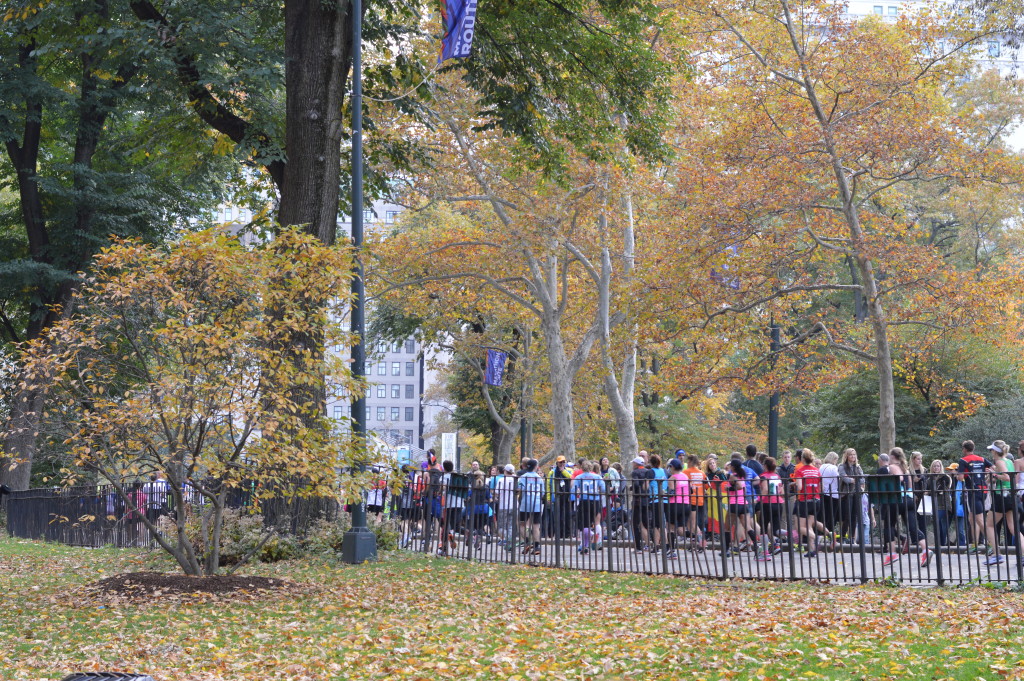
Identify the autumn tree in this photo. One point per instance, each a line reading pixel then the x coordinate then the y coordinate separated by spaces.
pixel 169 364
pixel 839 119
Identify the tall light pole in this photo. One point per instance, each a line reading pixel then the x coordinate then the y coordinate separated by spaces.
pixel 359 543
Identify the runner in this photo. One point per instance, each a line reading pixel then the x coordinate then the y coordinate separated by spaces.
pixel 1004 502
pixel 971 470
pixel 679 503
pixel 807 479
pixel 588 492
pixel 639 484
pixel 907 507
pixel 772 507
pixel 739 504
pixel 531 505
pixel 505 502
pixel 698 514
pixel 658 497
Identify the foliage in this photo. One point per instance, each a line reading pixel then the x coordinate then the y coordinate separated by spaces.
pixel 420 617
pixel 197 362
pixel 998 420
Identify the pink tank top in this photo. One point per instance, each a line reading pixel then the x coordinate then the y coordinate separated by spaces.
pixel 682 491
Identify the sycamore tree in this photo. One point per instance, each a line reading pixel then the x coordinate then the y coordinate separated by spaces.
pixel 170 364
pixel 811 130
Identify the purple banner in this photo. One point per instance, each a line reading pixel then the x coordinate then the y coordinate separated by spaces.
pixel 495 367
pixel 459 17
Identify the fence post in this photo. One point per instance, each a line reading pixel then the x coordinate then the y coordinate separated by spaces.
pixel 717 498
pixel 937 502
pixel 512 544
pixel 662 490
pixel 790 533
pixel 860 530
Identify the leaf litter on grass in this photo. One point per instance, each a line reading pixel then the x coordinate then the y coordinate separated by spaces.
pixel 432 619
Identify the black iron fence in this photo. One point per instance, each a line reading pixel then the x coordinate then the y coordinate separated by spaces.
pixel 96 515
pixel 930 529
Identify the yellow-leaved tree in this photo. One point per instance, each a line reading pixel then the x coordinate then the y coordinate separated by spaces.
pixel 170 364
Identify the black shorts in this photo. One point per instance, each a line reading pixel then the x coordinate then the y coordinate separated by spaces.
pixel 1003 504
pixel 803 509
pixel 588 511
pixel 376 510
pixel 526 516
pixel 738 509
pixel 974 501
pixel 656 514
pixel 409 513
pixel 641 514
pixel 678 514
pixel 771 516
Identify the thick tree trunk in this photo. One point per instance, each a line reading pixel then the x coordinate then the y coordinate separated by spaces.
pixel 318 59
pixel 501 445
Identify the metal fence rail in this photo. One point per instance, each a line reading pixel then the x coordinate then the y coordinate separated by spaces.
pixel 95 515
pixel 929 530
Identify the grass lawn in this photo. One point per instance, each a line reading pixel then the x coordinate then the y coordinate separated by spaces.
pixel 434 619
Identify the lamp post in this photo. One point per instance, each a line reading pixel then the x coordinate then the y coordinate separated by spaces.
pixel 359 543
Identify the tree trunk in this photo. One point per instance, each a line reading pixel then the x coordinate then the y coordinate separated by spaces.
pixel 318 59
pixel 20 444
pixel 560 407
pixel 501 445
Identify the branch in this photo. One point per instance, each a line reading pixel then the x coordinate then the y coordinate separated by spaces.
pixel 820 328
pixel 205 104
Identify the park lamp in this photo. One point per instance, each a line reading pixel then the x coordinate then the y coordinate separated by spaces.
pixel 359 544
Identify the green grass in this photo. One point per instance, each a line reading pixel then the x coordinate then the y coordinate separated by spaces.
pixel 431 619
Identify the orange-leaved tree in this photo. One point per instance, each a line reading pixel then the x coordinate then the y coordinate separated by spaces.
pixel 811 128
pixel 169 365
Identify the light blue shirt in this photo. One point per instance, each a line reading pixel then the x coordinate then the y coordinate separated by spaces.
pixel 532 487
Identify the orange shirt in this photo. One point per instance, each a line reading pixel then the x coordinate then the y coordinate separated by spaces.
pixel 698 485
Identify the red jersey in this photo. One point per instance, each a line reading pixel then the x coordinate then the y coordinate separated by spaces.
pixel 811 487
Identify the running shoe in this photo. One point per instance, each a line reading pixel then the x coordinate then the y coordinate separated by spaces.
pixel 764 557
pixel 598 546
pixel 672 555
pixel 994 560
pixel 811 554
pixel 777 549
pixel 585 551
pixel 926 558
pixel 890 558
pixel 973 549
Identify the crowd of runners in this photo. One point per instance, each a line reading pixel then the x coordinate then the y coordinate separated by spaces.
pixel 749 502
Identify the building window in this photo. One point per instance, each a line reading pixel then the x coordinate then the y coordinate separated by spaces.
pixel 396 391
pixel 367 413
pixel 396 347
pixel 894 11
pixel 396 368
pixel 381 390
pixel 410 368
pixel 410 347
pixel 396 413
pixel 381 413
pixel 382 368
pixel 338 414
pixel 410 391
pixel 879 10
pixel 389 216
pixel 408 436
pixel 993 48
pixel 367 216
pixel 408 413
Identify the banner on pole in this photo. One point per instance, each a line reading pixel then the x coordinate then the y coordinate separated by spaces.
pixel 449 445
pixel 459 18
pixel 495 367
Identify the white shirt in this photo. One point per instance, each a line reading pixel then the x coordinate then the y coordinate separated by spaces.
pixel 505 491
pixel 830 479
